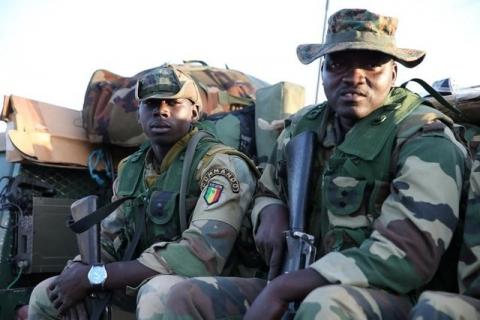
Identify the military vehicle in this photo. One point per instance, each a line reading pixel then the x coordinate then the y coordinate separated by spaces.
pixel 35 242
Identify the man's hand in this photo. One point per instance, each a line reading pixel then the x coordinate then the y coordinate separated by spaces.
pixel 270 237
pixel 77 312
pixel 269 304
pixel 69 288
pixel 274 299
pixel 22 313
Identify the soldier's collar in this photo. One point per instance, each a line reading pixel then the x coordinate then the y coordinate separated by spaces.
pixel 176 149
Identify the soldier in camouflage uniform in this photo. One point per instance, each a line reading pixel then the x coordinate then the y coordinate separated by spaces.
pixel 444 305
pixel 220 187
pixel 386 188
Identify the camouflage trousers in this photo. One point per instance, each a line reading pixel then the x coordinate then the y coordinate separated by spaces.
pixel 149 300
pixel 229 298
pixel 445 306
pixel 349 302
pixel 172 297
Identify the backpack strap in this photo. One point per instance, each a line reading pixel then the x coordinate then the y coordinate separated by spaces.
pixel 437 96
pixel 187 163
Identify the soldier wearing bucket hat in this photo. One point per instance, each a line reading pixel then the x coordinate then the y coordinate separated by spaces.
pixel 385 165
pixel 383 154
pixel 358 29
pixel 192 192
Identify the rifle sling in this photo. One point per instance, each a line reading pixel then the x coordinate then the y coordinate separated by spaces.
pixel 96 216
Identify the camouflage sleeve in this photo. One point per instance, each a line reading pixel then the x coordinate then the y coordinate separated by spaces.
pixel 469 264
pixel 227 187
pixel 269 190
pixel 416 223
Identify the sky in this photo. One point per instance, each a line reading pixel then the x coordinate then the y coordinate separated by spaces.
pixel 50 48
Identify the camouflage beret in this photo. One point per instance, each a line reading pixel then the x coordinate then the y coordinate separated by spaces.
pixel 360 29
pixel 167 82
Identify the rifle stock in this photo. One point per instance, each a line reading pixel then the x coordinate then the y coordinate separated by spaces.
pixel 300 245
pixel 89 240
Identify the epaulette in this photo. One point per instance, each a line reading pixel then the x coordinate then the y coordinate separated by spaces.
pixel 137 155
pixel 311 112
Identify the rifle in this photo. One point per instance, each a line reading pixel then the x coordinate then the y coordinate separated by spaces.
pixel 300 245
pixel 89 246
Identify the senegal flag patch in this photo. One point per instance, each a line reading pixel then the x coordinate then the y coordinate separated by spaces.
pixel 213 192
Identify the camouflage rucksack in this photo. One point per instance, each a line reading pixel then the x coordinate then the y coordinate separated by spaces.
pixel 463 109
pixel 109 109
pixel 231 110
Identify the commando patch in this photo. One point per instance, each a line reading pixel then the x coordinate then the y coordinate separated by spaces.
pixel 213 193
pixel 221 172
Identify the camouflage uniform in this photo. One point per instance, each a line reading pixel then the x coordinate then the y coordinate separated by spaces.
pixel 395 249
pixel 223 182
pixel 443 305
pixel 379 258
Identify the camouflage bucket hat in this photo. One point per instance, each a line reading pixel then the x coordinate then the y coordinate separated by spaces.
pixel 167 82
pixel 360 29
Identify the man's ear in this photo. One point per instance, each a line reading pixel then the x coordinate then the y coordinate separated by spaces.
pixel 195 114
pixel 394 72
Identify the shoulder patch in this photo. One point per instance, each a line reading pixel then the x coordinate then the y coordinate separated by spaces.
pixel 213 193
pixel 220 172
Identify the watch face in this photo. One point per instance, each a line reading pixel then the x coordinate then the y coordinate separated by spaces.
pixel 97 275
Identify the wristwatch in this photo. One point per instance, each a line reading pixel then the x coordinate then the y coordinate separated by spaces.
pixel 97 276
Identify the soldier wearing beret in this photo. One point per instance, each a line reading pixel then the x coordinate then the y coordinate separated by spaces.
pixel 219 186
pixel 388 177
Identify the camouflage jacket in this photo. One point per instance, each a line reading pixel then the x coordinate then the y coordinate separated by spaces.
pixel 225 184
pixel 387 229
pixel 469 264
